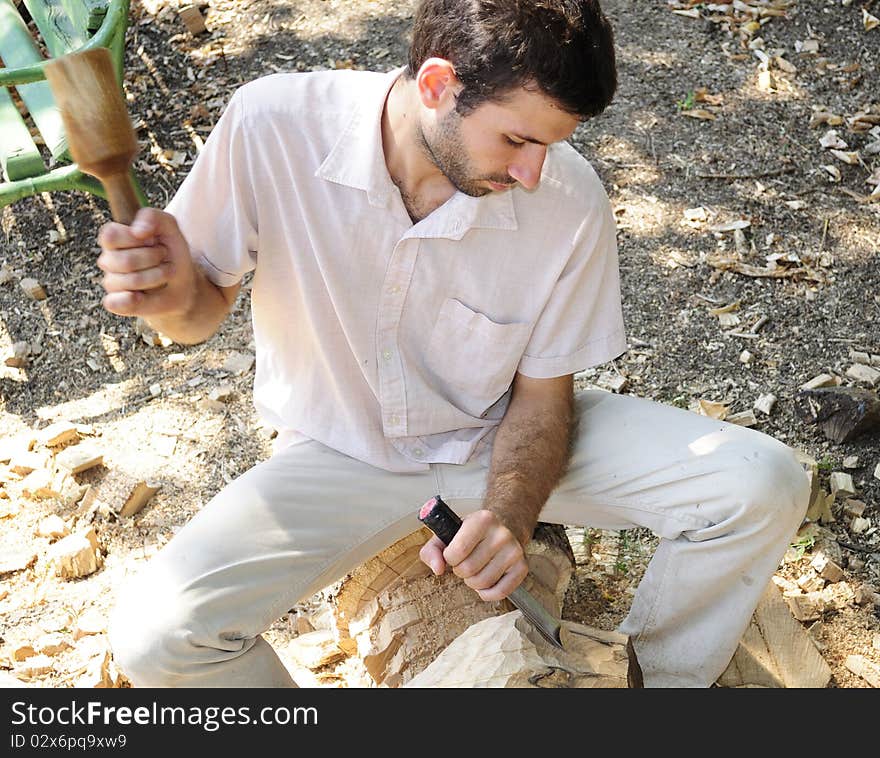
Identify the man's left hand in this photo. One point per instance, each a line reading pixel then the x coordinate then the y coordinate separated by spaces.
pixel 484 553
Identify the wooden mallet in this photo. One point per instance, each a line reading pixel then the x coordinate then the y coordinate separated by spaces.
pixel 99 131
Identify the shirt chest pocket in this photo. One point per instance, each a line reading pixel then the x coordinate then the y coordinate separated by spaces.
pixel 474 358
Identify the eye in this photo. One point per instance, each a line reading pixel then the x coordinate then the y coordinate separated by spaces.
pixel 511 141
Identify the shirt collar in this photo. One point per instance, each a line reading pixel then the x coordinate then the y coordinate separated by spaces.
pixel 357 160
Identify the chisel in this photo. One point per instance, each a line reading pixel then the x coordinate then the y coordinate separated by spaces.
pixel 442 520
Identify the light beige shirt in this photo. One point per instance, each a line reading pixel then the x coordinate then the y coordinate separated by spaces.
pixel 391 342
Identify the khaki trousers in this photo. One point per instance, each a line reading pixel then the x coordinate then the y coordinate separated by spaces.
pixel 725 500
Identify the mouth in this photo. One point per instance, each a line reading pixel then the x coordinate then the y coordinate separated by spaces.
pixel 499 187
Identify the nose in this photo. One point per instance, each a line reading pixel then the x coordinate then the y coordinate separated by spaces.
pixel 527 167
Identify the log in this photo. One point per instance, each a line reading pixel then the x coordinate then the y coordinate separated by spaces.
pixel 504 651
pixel 842 413
pixel 776 651
pixel 396 616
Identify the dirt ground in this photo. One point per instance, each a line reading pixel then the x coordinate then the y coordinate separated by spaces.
pixel 749 255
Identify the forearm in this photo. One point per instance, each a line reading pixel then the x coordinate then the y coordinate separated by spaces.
pixel 530 455
pixel 208 308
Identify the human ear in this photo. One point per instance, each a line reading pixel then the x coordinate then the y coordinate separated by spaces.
pixel 437 83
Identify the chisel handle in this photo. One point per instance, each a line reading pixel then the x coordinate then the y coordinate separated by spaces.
pixel 440 519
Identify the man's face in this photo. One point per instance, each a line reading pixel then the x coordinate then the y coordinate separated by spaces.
pixel 499 143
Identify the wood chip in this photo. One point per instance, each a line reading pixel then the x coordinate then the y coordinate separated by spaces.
pixel 52 527
pixel 810 582
pixel 139 496
pixel 841 484
pixel 803 607
pixel 78 458
pixel 853 508
pixel 863 373
pixel 711 409
pixel 826 568
pixel 57 434
pixel 865 594
pixel 859 525
pixel 822 380
pixel 77 555
pixel 315 649
pixel 19 443
pixel 36 665
pixel 744 418
pixel 866 669
pixel 19 356
pixel 849 157
pixel 33 289
pixel 765 403
pixel 22 652
pixel 612 381
pixel 223 393
pixel 52 644
pixel 121 493
pixel 42 484
pixel 18 561
pixel 238 363
pixel 193 19
pixel 25 462
pixel 90 623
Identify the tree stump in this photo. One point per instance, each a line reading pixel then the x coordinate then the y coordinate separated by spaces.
pixel 842 413
pixel 396 616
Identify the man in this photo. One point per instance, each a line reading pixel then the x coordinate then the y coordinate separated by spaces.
pixel 432 264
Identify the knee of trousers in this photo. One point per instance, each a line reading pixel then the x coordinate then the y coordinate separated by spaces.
pixel 766 482
pixel 151 633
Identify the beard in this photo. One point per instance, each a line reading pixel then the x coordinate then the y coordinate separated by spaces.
pixel 445 149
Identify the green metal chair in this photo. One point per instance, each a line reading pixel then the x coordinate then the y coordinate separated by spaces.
pixel 65 26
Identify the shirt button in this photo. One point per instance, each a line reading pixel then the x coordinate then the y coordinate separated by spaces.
pixel 394 418
pixel 395 289
pixel 418 452
pixel 386 354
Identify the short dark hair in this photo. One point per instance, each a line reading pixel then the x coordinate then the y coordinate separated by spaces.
pixel 563 47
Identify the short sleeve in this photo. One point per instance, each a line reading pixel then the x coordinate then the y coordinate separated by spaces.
pixel 582 323
pixel 215 207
